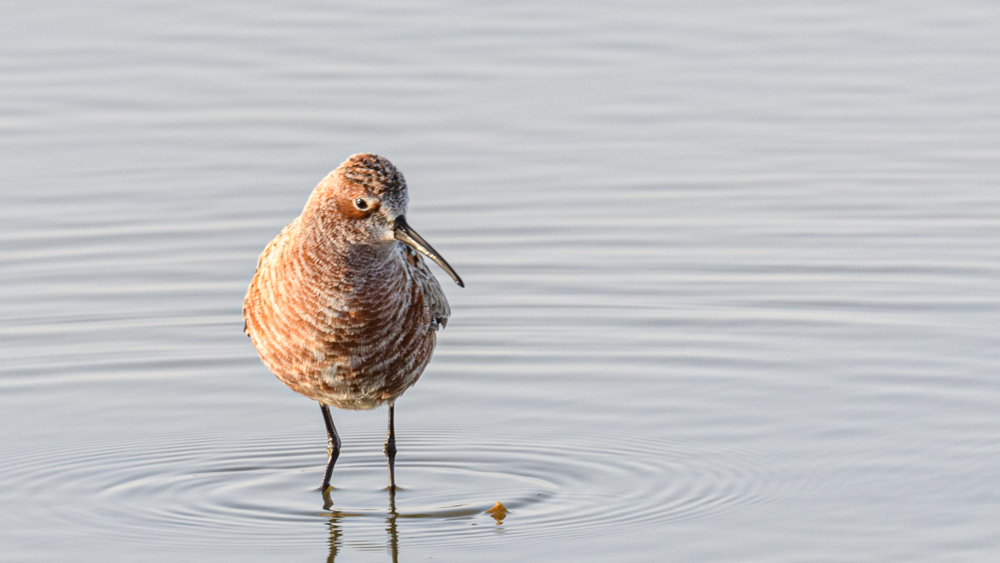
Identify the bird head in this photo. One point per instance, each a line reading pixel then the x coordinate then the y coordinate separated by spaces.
pixel 364 202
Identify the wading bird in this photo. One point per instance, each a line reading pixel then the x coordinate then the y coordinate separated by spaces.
pixel 338 309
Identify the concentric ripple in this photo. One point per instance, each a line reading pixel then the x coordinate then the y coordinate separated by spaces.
pixel 211 486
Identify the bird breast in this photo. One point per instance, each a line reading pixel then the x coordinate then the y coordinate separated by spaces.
pixel 349 327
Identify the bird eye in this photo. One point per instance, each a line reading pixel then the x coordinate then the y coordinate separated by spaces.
pixel 361 204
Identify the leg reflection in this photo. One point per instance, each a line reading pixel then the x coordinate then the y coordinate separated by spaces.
pixel 334 525
pixel 393 533
pixel 335 516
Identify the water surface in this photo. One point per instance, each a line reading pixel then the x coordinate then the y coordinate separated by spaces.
pixel 733 279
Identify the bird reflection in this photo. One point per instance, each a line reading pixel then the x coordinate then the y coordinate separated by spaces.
pixel 335 517
pixel 391 520
pixel 335 540
pixel 499 512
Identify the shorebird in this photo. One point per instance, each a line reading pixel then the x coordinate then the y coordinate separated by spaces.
pixel 338 309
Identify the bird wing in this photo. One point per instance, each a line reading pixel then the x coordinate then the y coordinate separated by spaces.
pixel 434 298
pixel 260 260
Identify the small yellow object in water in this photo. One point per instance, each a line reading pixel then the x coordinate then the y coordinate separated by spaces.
pixel 498 512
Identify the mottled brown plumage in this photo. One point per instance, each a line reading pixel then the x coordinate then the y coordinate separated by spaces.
pixel 338 309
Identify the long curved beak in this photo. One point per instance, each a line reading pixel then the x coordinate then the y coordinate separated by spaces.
pixel 405 234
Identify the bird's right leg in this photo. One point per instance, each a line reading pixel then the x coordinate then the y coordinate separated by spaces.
pixel 332 445
pixel 390 448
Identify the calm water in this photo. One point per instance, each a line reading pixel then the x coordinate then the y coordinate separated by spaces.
pixel 733 279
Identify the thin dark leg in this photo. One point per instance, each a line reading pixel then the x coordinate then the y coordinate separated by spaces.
pixel 332 445
pixel 390 448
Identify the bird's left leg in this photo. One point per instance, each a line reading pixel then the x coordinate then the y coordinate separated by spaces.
pixel 390 448
pixel 332 445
